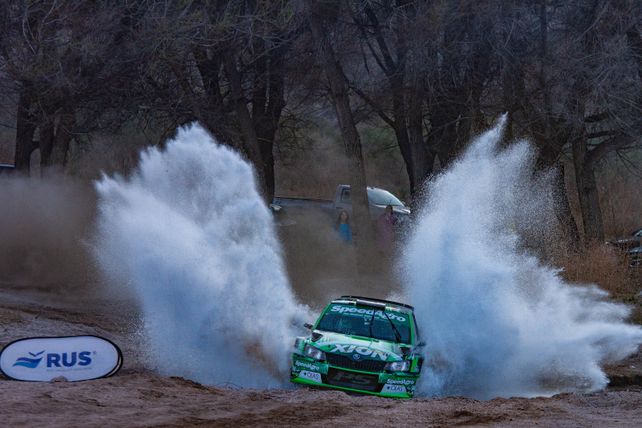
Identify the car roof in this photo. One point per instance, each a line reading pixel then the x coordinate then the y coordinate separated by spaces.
pixel 371 301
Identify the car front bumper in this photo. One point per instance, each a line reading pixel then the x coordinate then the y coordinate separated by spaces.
pixel 307 371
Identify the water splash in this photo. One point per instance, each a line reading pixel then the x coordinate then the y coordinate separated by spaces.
pixel 189 233
pixel 497 321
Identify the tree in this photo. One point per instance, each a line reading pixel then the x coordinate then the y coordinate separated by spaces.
pixel 433 59
pixel 527 82
pixel 352 142
pixel 224 65
pixel 383 30
pixel 605 104
pixel 569 85
pixel 67 70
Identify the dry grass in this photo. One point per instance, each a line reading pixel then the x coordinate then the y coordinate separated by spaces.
pixel 620 202
pixel 606 266
pixel 601 264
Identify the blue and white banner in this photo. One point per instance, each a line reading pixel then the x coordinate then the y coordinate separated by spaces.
pixel 74 357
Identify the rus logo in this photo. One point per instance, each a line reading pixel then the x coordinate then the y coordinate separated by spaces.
pixel 64 359
pixel 30 363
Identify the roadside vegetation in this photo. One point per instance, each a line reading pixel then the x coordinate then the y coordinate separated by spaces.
pixel 320 92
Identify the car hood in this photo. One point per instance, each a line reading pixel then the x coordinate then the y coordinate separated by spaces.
pixel 359 348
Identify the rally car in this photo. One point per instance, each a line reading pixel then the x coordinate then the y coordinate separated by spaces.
pixel 363 345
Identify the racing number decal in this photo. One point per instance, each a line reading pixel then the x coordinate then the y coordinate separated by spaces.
pixel 354 378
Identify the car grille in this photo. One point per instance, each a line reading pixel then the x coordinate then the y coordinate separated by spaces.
pixel 349 363
pixel 353 380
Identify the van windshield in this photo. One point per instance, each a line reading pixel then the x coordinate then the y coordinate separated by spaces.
pixel 366 322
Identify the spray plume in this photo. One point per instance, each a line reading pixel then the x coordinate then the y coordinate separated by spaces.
pixel 189 233
pixel 497 322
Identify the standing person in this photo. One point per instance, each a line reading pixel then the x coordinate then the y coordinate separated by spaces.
pixel 386 230
pixel 343 226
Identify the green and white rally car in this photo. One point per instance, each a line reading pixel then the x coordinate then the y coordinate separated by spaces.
pixel 363 345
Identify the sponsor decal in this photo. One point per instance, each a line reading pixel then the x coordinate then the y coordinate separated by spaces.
pixel 309 366
pixel 378 313
pixel 400 382
pixel 358 351
pixel 304 374
pixel 353 378
pixel 395 389
pixel 55 360
pixel 74 357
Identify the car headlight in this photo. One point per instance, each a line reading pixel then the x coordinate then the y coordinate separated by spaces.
pixel 312 352
pixel 297 343
pixel 398 366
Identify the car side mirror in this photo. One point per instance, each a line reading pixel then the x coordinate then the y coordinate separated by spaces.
pixel 308 326
pixel 421 344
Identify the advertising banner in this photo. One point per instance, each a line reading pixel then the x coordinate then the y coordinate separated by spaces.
pixel 73 357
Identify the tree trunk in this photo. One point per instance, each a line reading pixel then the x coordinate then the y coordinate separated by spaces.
pixel 55 137
pixel 400 128
pixel 25 130
pixel 584 167
pixel 47 137
pixel 266 133
pixel 248 133
pixel 587 192
pixel 403 141
pixel 564 214
pixel 64 135
pixel 362 225
pixel 408 127
pixel 268 102
pixel 422 166
pixel 634 42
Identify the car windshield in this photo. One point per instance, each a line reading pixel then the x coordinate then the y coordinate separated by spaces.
pixel 366 322
pixel 383 197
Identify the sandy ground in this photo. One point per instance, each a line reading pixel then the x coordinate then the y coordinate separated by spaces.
pixel 137 396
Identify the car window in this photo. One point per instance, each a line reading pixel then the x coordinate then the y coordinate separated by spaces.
pixel 639 233
pixel 383 197
pixel 345 196
pixel 366 322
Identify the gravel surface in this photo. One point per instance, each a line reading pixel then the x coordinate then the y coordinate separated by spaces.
pixel 137 396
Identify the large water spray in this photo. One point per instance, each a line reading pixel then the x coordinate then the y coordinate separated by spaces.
pixel 495 319
pixel 190 235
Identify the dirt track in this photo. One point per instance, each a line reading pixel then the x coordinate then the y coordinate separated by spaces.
pixel 139 397
pixel 144 399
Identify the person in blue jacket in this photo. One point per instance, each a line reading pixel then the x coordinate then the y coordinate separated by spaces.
pixel 343 226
